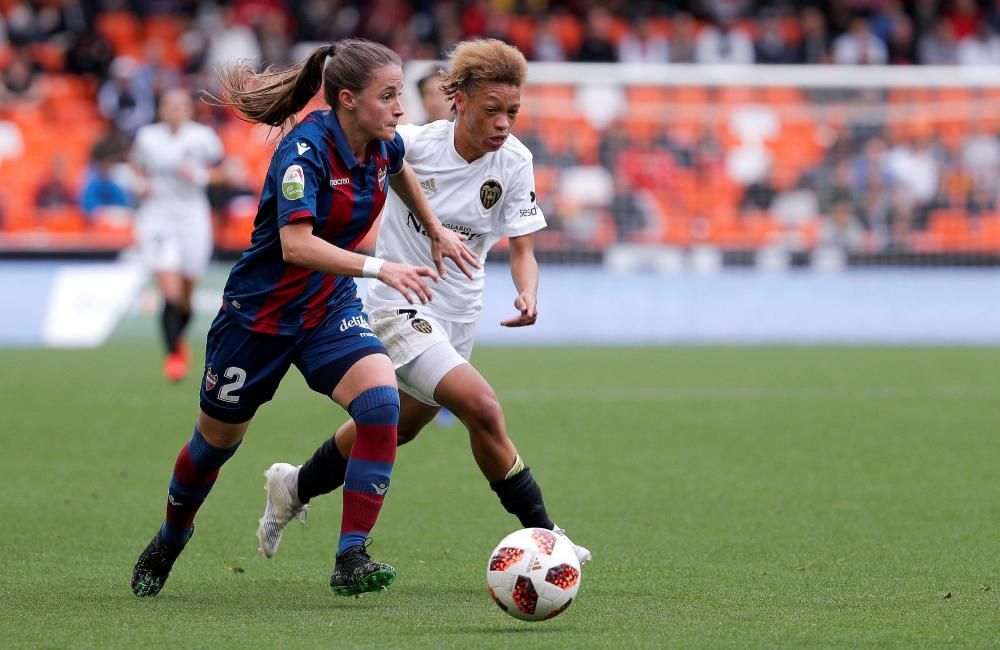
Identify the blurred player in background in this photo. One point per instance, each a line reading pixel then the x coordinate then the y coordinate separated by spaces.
pixel 175 159
pixel 291 297
pixel 479 180
pixel 436 104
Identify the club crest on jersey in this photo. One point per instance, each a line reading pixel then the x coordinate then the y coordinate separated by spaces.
pixel 489 192
pixel 211 379
pixel 381 179
pixel 293 183
pixel 421 326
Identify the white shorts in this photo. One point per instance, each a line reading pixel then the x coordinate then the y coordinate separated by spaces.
pixel 423 348
pixel 175 237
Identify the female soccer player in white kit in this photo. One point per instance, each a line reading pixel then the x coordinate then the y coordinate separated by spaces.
pixel 479 181
pixel 174 159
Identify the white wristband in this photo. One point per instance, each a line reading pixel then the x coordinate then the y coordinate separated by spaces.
pixel 371 267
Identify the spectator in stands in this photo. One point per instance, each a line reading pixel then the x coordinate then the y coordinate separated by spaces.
pixel 643 45
pixel 901 45
pixel 54 191
pixel 796 206
pixel 982 48
pixel 757 197
pixel 981 200
pixel 683 38
pixel 814 46
pixel 231 41
pixel 597 46
pixel 629 214
pixel 434 100
pixel 859 46
pixel 100 189
pixel 548 46
pixel 965 17
pixel 89 55
pixel 273 35
pixel 915 171
pixel 939 46
pixel 614 141
pixel 124 99
pixel 724 42
pixel 840 226
pixel 980 156
pixel 20 78
pixel 155 72
pixel 925 14
pixel 772 46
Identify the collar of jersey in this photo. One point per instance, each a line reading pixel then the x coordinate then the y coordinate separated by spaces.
pixel 454 150
pixel 332 125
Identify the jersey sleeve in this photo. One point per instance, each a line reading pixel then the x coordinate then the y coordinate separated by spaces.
pixel 395 150
pixel 521 214
pixel 300 172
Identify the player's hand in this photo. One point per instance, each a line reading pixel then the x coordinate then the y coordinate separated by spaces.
pixel 450 244
pixel 406 279
pixel 527 304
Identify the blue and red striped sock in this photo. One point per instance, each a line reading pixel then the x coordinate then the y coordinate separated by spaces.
pixel 195 471
pixel 376 415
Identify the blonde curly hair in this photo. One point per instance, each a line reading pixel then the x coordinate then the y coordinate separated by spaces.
pixel 474 63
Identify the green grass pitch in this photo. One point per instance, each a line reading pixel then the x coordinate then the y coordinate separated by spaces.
pixel 732 497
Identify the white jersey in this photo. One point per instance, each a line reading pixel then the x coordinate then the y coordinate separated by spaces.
pixel 161 154
pixel 492 197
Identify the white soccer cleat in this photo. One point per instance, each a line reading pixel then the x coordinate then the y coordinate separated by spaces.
pixel 582 553
pixel 282 506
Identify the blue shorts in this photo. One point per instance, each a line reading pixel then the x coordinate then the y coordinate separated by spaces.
pixel 243 368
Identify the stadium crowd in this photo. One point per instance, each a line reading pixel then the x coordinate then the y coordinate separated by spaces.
pixel 80 77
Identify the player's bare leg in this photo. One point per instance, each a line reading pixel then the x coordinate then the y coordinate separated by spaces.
pixel 465 392
pixel 468 395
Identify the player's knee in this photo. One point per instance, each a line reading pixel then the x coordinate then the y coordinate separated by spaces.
pixel 482 413
pixel 376 415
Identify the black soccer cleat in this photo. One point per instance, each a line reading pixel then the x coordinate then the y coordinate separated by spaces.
pixel 153 567
pixel 356 573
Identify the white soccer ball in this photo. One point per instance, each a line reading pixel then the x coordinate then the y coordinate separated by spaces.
pixel 533 574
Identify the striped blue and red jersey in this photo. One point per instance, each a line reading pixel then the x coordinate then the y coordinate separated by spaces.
pixel 313 175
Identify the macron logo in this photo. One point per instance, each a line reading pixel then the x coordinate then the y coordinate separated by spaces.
pixel 303 147
pixel 334 182
pixel 380 489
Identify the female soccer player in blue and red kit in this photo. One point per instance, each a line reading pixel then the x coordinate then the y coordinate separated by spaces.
pixel 291 297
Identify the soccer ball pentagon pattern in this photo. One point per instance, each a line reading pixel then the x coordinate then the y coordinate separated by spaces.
pixel 533 574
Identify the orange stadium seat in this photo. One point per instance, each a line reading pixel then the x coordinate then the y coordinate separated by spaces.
pixel 949 230
pixel 123 30
pixel 569 31
pixel 989 233
pixel 521 32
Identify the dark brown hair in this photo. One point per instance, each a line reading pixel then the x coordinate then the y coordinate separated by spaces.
pixel 473 63
pixel 273 96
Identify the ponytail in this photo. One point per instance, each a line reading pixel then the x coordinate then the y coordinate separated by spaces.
pixel 273 97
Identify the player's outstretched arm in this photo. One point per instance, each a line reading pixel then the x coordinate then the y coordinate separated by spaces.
pixel 524 271
pixel 444 242
pixel 302 248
